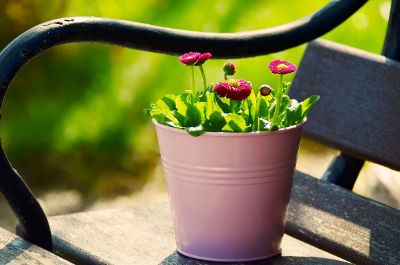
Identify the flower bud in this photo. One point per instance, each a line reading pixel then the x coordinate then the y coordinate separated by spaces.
pixel 229 68
pixel 265 90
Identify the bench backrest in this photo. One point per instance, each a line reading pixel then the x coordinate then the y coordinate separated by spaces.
pixel 359 108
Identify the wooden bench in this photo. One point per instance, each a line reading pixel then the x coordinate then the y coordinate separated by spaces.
pixel 15 250
pixel 144 235
pixel 357 114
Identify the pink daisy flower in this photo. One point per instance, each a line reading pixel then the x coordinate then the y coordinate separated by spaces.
pixel 281 67
pixel 235 89
pixel 203 57
pixel 190 58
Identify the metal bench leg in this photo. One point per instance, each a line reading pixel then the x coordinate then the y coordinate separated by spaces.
pixel 343 171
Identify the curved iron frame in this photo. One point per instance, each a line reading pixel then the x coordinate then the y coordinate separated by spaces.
pixel 33 222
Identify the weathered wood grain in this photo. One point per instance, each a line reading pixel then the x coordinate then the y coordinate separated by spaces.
pixel 15 250
pixel 144 235
pixel 359 107
pixel 350 226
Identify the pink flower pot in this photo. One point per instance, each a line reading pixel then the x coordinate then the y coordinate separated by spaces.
pixel 229 192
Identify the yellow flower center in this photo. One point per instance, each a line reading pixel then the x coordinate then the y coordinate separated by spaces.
pixel 282 66
pixel 234 82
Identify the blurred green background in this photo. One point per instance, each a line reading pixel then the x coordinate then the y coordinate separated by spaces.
pixel 73 118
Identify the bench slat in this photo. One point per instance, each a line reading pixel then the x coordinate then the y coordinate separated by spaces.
pixel 144 235
pixel 322 214
pixel 359 107
pixel 15 250
pixel 343 223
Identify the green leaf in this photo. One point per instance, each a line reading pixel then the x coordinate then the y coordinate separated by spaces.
pixel 197 97
pixel 209 105
pixel 286 87
pixel 181 103
pixel 162 113
pixel 159 117
pixel 250 107
pixel 262 112
pixel 235 105
pixel 246 111
pixel 264 108
pixel 293 113
pixel 192 117
pixel 207 91
pixel 201 107
pixel 171 124
pixel 179 116
pixel 166 110
pixel 306 105
pixel 215 123
pixel 170 101
pixel 267 126
pixel 234 123
pixel 195 130
pixel 279 120
pixel 271 110
pixel 284 103
pixel 147 111
pixel 223 105
pixel 210 88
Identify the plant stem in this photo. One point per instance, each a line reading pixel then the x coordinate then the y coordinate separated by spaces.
pixel 255 118
pixel 234 105
pixel 278 99
pixel 193 81
pixel 212 95
pixel 193 85
pixel 203 76
pixel 288 89
pixel 226 77
pixel 257 114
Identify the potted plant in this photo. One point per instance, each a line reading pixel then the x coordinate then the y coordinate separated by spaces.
pixel 228 154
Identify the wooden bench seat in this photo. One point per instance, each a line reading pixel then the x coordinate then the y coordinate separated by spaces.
pixel 144 235
pixel 343 223
pixel 322 214
pixel 15 250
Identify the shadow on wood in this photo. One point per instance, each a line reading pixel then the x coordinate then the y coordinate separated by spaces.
pixel 178 259
pixel 12 250
pixel 15 250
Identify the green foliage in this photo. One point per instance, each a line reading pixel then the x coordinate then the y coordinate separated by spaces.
pixel 207 111
pixel 235 123
pixel 307 104
pixel 215 122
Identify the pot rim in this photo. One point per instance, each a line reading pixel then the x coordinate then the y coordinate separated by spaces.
pixel 233 134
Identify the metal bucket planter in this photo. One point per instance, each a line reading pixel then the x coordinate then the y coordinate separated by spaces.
pixel 229 192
